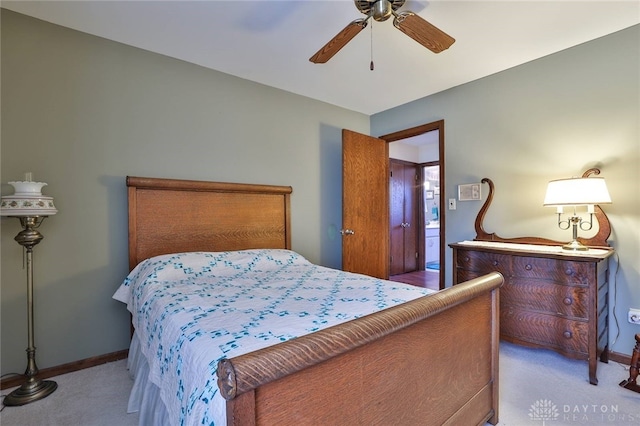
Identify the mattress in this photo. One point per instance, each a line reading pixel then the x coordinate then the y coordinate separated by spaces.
pixel 190 310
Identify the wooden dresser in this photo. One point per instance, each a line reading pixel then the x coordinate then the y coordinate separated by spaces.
pixel 551 298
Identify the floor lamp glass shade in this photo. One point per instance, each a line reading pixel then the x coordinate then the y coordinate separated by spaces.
pixel 27 200
pixel 31 207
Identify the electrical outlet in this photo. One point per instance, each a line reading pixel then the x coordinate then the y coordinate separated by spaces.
pixel 452 203
pixel 634 316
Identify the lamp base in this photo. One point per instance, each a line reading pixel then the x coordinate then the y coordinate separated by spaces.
pixel 30 392
pixel 575 245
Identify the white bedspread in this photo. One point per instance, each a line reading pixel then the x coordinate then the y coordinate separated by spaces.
pixel 192 309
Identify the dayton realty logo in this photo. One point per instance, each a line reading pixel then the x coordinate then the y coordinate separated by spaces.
pixel 600 414
pixel 543 410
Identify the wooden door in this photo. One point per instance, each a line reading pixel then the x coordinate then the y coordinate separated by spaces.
pixel 396 219
pixel 410 252
pixel 403 226
pixel 365 204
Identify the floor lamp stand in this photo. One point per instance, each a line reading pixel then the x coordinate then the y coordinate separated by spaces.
pixel 33 389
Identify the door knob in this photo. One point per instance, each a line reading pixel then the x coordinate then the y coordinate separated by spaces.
pixel 347 231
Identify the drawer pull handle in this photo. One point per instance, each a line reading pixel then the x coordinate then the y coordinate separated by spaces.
pixel 567 334
pixel 466 259
pixel 568 301
pixel 528 267
pixel 569 271
pixel 495 263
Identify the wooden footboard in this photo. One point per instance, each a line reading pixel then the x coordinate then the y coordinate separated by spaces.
pixel 431 361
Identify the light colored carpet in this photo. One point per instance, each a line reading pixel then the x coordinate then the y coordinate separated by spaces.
pixel 537 387
pixel 95 396
pixel 541 387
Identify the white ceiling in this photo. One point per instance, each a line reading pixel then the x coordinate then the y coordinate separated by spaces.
pixel 270 41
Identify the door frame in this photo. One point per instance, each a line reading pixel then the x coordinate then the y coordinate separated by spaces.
pixel 419 130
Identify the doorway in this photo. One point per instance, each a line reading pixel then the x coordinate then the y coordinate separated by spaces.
pixel 432 211
pixel 423 146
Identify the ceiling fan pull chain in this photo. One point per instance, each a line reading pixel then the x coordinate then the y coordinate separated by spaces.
pixel 371 64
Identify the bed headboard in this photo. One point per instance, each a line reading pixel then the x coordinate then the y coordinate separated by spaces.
pixel 171 216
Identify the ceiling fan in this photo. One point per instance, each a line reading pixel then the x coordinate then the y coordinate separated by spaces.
pixel 408 22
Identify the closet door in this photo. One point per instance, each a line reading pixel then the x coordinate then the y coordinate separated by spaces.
pixel 403 181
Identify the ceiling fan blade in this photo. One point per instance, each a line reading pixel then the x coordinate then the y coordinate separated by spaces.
pixel 423 32
pixel 339 41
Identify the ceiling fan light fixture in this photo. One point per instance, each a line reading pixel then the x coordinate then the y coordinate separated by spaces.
pixel 381 10
pixel 365 6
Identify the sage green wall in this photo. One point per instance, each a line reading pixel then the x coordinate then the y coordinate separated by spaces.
pixel 81 113
pixel 550 118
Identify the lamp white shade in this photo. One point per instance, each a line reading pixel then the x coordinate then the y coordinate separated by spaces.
pixel 577 192
pixel 27 201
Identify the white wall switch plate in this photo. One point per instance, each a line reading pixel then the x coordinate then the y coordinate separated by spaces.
pixel 634 316
pixel 452 203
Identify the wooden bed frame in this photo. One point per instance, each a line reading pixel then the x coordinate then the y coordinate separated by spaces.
pixel 431 361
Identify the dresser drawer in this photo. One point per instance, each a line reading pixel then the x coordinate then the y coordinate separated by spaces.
pixel 570 272
pixel 546 297
pixel 545 330
pixel 483 262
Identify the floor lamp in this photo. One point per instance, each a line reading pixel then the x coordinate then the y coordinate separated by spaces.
pixel 31 207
